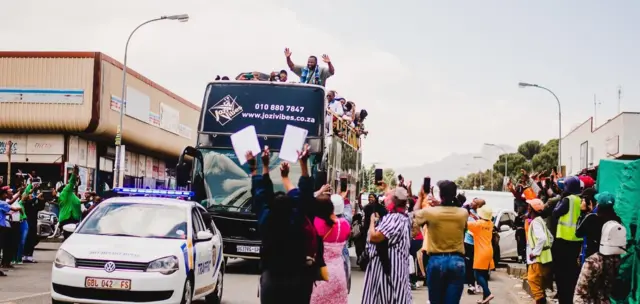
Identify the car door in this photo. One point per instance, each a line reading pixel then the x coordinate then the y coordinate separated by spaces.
pixel 202 250
pixel 216 242
pixel 508 244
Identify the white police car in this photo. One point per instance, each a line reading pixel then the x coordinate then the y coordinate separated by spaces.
pixel 140 249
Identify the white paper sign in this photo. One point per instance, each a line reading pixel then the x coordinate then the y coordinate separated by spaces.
pixel 294 138
pixel 243 141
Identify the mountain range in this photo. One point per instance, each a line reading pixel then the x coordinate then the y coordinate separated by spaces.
pixel 455 165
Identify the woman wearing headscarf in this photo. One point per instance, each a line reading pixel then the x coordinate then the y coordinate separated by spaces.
pixel 387 275
pixel 567 246
pixel 334 232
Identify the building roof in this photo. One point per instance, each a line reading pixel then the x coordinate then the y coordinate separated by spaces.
pixel 101 56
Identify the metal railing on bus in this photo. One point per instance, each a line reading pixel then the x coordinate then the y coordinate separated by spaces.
pixel 343 128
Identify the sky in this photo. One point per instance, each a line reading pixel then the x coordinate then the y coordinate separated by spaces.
pixel 437 77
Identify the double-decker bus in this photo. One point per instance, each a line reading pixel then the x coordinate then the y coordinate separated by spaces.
pixel 223 186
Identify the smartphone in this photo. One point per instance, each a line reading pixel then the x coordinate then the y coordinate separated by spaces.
pixel 426 185
pixel 378 175
pixel 343 184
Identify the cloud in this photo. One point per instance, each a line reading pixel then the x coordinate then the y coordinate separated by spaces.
pixel 414 115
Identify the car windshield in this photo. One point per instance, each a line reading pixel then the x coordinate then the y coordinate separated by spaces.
pixel 229 183
pixel 137 220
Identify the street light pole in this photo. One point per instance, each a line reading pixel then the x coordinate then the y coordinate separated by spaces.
pixel 506 158
pixel 491 171
pixel 118 140
pixel 524 85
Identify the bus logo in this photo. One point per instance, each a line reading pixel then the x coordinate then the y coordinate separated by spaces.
pixel 225 110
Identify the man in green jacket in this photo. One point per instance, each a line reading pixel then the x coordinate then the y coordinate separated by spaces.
pixel 70 211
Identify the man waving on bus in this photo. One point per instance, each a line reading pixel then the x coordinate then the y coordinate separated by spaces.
pixel 311 73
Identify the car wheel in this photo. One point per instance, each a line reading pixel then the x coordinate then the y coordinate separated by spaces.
pixel 56 301
pixel 187 292
pixel 216 296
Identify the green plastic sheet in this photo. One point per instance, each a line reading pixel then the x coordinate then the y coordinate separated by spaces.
pixel 622 178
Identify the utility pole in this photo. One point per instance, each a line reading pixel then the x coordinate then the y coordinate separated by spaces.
pixel 619 99
pixel 8 147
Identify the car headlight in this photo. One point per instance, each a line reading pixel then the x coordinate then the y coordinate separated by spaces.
pixel 64 259
pixel 166 265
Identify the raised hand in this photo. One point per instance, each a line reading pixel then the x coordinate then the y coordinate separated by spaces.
pixel 326 58
pixel 251 160
pixel 287 52
pixel 284 169
pixel 304 154
pixel 265 156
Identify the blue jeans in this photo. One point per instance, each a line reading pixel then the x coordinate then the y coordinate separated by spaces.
pixel 55 209
pixel 445 278
pixel 24 231
pixel 482 276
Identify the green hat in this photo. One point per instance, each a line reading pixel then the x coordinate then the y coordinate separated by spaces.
pixel 605 198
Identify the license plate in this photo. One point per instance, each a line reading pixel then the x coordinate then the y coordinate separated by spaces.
pixel 102 283
pixel 248 249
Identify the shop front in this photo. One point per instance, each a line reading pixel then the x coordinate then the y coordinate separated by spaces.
pixel 42 154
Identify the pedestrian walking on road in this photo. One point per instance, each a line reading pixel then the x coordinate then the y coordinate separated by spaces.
pixel 482 230
pixel 387 275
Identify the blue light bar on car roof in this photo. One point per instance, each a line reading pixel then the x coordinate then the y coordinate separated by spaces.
pixel 141 191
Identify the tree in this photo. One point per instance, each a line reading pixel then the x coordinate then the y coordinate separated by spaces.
pixel 544 161
pixel 529 149
pixel 389 177
pixel 515 162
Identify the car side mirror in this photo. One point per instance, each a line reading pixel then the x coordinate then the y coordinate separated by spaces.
pixel 69 227
pixel 504 228
pixel 204 236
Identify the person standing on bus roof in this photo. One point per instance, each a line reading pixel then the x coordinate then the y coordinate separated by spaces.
pixel 312 73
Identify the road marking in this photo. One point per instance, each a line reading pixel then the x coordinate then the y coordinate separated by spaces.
pixel 14 300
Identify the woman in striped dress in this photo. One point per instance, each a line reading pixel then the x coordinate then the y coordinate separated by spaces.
pixel 387 275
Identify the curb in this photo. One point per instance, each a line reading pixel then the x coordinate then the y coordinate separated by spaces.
pixel 53 240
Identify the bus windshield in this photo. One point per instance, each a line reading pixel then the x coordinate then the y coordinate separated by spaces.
pixel 229 183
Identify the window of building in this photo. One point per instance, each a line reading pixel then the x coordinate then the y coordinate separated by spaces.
pixel 584 155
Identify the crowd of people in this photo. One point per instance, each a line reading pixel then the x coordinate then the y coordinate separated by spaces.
pixel 19 208
pixel 572 237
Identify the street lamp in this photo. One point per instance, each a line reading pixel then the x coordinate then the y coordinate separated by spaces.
pixel 524 85
pixel 491 172
pixel 506 162
pixel 181 18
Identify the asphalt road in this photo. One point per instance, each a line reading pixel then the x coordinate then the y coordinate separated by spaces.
pixel 29 283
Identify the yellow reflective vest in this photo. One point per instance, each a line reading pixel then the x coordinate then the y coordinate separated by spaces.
pixel 568 223
pixel 545 255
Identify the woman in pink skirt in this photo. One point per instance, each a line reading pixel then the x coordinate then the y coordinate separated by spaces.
pixel 335 232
